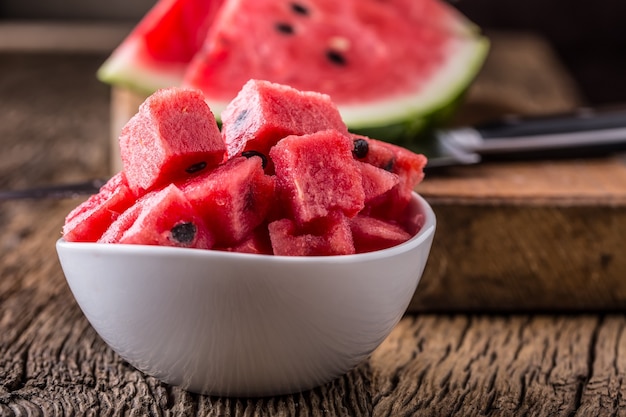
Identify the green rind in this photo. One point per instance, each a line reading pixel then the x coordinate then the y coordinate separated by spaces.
pixel 403 127
pixel 121 69
pixel 410 130
pixel 408 127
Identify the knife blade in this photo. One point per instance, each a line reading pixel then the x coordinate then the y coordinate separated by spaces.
pixel 583 133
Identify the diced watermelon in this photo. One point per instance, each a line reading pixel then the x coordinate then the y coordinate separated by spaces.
pixel 233 199
pixel 371 234
pixel 123 222
pixel 88 221
pixel 407 165
pixel 332 192
pixel 374 152
pixel 376 181
pixel 316 175
pixel 164 218
pixel 257 242
pixel 172 136
pixel 328 236
pixel 262 113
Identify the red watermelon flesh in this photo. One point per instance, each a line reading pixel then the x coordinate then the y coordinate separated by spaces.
pixel 375 153
pixel 257 242
pixel 376 181
pixel 332 193
pixel 122 223
pixel 316 174
pixel 371 234
pixel 233 199
pixel 262 113
pixel 164 218
pixel 407 165
pixel 432 13
pixel 172 136
pixel 354 51
pixel 328 236
pixel 88 221
pixel 156 53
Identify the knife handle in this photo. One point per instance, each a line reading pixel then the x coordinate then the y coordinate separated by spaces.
pixel 585 132
pixel 582 120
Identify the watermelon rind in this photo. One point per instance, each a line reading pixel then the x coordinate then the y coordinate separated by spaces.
pixel 124 69
pixel 400 119
pixel 395 119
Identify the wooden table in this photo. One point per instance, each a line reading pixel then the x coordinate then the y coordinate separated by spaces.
pixel 54 127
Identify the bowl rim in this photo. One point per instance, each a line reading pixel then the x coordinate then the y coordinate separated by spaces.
pixel 425 232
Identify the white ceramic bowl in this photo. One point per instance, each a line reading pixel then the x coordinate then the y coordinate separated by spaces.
pixel 235 324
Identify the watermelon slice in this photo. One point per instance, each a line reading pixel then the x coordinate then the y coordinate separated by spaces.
pixel 172 136
pixel 439 14
pixel 392 66
pixel 379 68
pixel 156 53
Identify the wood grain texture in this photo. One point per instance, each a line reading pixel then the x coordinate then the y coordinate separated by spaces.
pixel 52 363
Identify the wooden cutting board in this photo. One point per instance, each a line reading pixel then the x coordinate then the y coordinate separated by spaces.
pixel 531 236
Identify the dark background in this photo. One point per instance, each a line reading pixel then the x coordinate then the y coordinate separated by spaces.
pixel 589 36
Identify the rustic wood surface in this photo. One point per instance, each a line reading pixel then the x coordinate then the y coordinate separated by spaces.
pixel 527 236
pixel 54 127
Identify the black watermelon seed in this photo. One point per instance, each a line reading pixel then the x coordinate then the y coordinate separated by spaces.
pixel 335 57
pixel 299 9
pixel 184 232
pixel 196 167
pixel 250 154
pixel 361 148
pixel 285 28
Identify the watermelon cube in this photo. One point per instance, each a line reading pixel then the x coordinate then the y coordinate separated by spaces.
pixel 257 242
pixel 233 199
pixel 376 181
pixel 373 152
pixel 327 236
pixel 88 221
pixel 164 218
pixel 316 175
pixel 124 221
pixel 262 113
pixel 371 234
pixel 172 136
pixel 407 165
